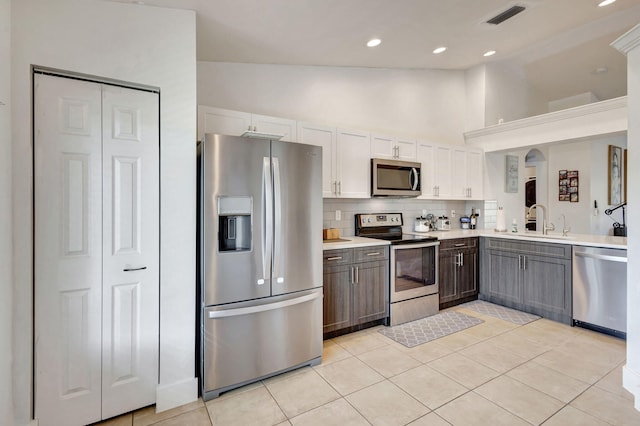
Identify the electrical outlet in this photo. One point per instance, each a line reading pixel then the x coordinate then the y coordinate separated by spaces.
pixel 453 214
pixel 338 215
pixel 477 212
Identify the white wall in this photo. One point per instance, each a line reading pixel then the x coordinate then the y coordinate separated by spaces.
pixel 415 103
pixel 475 83
pixel 6 279
pixel 573 156
pixel 507 93
pixel 131 43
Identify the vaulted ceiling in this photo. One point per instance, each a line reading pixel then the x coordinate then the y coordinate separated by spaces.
pixel 558 43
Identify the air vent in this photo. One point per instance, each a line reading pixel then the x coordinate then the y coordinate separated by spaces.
pixel 509 13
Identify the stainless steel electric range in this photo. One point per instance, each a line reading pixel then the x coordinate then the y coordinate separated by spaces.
pixel 414 266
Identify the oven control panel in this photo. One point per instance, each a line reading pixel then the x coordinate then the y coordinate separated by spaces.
pixel 384 219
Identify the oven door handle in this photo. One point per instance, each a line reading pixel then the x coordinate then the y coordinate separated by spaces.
pixel 415 246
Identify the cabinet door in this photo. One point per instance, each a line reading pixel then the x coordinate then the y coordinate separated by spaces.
pixel 406 149
pixel 354 164
pixel 459 173
pixel 337 297
pixel 370 300
pixel 222 121
pixel 442 171
pixel 475 174
pixel 547 287
pixel 501 277
pixel 324 136
pixel 467 278
pixel 447 269
pixel 383 146
pixel 426 155
pixel 275 125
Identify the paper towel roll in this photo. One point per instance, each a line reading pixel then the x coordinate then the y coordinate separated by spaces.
pixel 500 221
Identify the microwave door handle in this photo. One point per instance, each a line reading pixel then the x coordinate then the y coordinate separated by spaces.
pixel 414 173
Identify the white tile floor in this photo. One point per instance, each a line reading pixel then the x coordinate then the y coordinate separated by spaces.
pixel 495 373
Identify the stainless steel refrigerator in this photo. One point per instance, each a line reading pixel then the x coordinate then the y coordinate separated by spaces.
pixel 260 259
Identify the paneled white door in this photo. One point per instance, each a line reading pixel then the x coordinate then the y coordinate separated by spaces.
pixel 131 244
pixel 96 172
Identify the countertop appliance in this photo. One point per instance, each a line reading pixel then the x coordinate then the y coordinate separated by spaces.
pixel 600 289
pixel 393 178
pixel 465 222
pixel 260 259
pixel 421 224
pixel 443 224
pixel 413 266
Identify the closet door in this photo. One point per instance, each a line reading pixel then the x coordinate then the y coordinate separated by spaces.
pixel 131 246
pixel 96 239
pixel 67 250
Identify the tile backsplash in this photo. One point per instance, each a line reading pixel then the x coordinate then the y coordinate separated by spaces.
pixel 409 207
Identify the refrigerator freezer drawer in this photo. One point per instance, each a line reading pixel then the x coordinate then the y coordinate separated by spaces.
pixel 246 342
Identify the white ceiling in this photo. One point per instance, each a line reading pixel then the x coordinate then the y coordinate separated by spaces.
pixel 558 42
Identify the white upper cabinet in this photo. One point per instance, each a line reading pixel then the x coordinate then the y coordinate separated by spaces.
pixel 275 125
pixel 345 159
pixel 443 174
pixel 475 174
pixel 222 121
pixel 324 136
pixel 426 155
pixel 450 172
pixel 391 147
pixel 354 165
pixel 235 123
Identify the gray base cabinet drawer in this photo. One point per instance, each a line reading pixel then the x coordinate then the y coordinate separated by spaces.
pixel 532 277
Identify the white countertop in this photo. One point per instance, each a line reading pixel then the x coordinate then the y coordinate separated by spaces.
pixel 572 239
pixel 352 242
pixel 607 241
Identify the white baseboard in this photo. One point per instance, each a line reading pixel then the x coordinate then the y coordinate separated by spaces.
pixel 176 394
pixel 631 382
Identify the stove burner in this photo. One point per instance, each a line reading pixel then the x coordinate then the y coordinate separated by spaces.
pixel 386 226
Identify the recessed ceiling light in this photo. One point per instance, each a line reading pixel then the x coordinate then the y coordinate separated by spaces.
pixel 605 3
pixel 439 50
pixel 489 53
pixel 374 42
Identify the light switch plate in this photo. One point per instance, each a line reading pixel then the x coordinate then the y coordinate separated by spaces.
pixel 338 215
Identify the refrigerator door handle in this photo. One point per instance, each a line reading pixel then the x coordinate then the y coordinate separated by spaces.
pixel 267 220
pixel 277 228
pixel 263 308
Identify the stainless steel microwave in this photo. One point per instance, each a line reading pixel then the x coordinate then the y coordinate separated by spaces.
pixel 392 178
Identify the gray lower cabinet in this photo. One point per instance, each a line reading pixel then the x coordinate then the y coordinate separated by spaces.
pixel 529 276
pixel 356 287
pixel 457 271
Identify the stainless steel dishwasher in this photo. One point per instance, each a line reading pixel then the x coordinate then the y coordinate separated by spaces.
pixel 600 289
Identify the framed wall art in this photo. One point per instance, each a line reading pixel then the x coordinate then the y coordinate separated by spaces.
pixel 511 173
pixel 568 186
pixel 615 175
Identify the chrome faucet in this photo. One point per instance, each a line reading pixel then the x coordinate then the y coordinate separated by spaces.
pixel 565 230
pixel 545 228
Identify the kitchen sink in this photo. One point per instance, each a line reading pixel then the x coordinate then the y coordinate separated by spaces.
pixel 547 236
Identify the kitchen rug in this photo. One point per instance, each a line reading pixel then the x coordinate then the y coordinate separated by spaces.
pixel 500 312
pixel 424 330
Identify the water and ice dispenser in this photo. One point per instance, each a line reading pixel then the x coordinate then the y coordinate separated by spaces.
pixel 234 224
